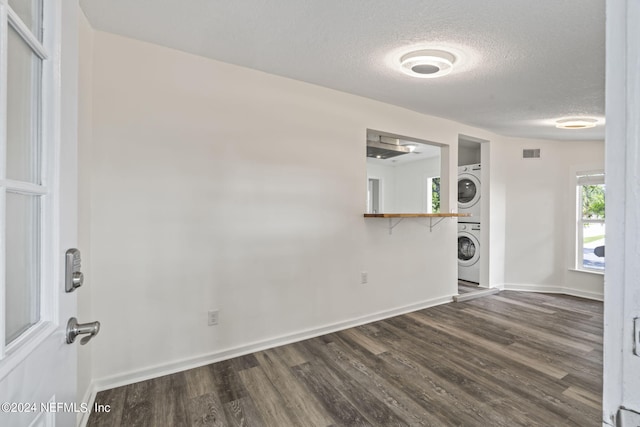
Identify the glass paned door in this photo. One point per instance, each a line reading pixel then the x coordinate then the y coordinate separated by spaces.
pixel 22 189
pixel 30 12
pixel 38 191
pixel 23 119
pixel 22 263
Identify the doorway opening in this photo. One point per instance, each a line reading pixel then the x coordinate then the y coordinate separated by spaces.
pixel 373 196
pixel 472 186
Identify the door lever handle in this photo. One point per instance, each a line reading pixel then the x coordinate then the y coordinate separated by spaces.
pixel 74 329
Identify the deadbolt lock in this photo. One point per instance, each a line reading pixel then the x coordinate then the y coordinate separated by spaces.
pixel 73 276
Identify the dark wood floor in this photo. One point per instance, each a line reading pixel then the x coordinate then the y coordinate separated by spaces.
pixel 511 359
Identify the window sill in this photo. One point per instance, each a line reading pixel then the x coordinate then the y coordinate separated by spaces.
pixel 597 273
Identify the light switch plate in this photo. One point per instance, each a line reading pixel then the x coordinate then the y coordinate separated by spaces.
pixel 364 278
pixel 212 318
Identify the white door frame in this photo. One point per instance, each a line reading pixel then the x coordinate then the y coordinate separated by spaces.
pixel 380 193
pixel 621 385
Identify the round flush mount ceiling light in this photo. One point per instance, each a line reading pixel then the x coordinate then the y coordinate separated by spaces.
pixel 577 123
pixel 427 63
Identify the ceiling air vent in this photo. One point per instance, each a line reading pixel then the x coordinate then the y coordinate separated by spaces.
pixel 531 153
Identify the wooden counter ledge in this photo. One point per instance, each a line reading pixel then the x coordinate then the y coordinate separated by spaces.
pixel 415 215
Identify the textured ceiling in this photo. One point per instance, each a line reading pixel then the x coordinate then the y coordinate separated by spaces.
pixel 524 63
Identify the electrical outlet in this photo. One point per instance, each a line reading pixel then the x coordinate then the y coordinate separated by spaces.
pixel 213 317
pixel 364 278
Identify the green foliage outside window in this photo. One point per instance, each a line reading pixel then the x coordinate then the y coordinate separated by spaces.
pixel 593 201
pixel 435 191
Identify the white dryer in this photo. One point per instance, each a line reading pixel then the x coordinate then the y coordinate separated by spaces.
pixel 469 185
pixel 469 252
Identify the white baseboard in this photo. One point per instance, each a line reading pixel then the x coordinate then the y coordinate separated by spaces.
pixel 550 289
pixel 523 287
pixel 206 359
pixel 89 398
pixel 598 296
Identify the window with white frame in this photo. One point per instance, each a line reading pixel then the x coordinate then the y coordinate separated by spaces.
pixel 432 199
pixel 590 230
pixel 23 182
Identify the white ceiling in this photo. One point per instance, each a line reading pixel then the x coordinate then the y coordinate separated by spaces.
pixel 525 63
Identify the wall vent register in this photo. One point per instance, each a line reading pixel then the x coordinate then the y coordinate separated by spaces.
pixel 531 153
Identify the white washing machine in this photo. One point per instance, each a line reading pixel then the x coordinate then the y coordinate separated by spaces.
pixel 469 192
pixel 469 252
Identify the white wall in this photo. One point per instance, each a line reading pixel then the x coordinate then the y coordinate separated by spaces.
pixel 217 187
pixel 403 185
pixel 211 186
pixel 411 183
pixel 493 213
pixel 468 155
pixel 540 215
pixel 387 176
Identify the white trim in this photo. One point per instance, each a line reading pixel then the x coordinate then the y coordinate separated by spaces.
pixel 381 193
pixel 47 418
pixel 25 33
pixel 594 220
pixel 51 141
pixel 596 272
pixel 525 287
pixel 24 187
pixel 552 289
pixel 573 233
pixel 4 28
pixel 427 202
pixel 21 348
pixel 590 178
pixel 580 181
pixel 3 275
pixel 621 368
pixel 596 296
pixel 89 398
pixel 241 350
pixel 427 192
pixel 3 169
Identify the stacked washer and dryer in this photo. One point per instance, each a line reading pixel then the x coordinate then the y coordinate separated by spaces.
pixel 469 184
